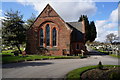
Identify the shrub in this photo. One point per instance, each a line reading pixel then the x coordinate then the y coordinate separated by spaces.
pixel 16 53
pixel 100 66
pixel 84 56
pixel 114 76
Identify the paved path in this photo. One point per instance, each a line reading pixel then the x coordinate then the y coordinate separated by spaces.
pixel 57 68
pixel 52 68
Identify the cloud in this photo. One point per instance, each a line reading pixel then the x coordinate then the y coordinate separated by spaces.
pixel 1 18
pixel 114 16
pixel 105 27
pixel 100 29
pixel 111 25
pixel 69 11
pixel 100 26
pixel 102 36
pixel 0 12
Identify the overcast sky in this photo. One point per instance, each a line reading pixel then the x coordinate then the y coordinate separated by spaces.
pixel 104 14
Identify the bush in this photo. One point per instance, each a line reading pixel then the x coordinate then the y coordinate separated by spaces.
pixel 84 56
pixel 100 66
pixel 16 53
pixel 114 76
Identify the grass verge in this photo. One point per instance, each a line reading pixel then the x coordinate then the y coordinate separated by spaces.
pixel 113 55
pixel 76 74
pixel 106 52
pixel 11 59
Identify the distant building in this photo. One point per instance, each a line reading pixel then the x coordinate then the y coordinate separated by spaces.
pixel 51 33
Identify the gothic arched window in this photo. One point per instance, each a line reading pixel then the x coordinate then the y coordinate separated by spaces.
pixel 47 35
pixel 54 36
pixel 41 37
pixel 77 46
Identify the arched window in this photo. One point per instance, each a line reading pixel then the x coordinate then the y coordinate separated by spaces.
pixel 41 37
pixel 77 46
pixel 47 35
pixel 54 36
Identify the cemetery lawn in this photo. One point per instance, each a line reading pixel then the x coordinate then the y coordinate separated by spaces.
pixel 77 74
pixel 113 55
pixel 106 52
pixel 10 58
pixel 7 52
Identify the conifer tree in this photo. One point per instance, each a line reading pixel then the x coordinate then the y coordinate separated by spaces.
pixel 13 30
pixel 90 29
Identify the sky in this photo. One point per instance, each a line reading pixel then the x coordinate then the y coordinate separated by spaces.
pixel 104 14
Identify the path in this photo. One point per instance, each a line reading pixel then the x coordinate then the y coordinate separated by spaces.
pixel 57 68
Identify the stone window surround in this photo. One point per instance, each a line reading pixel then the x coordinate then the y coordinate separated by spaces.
pixel 44 35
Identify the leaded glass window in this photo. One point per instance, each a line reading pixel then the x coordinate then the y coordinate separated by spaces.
pixel 77 46
pixel 47 35
pixel 54 36
pixel 41 37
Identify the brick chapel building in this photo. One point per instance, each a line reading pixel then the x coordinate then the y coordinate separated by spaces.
pixel 51 33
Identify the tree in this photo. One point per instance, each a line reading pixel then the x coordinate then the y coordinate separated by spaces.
pixel 85 18
pixel 111 37
pixel 30 21
pixel 13 31
pixel 93 31
pixel 89 28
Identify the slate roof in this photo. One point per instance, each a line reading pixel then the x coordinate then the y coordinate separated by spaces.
pixel 76 25
pixel 76 34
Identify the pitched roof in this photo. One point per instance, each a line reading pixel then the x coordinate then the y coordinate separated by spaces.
pixel 76 25
pixel 77 34
pixel 48 11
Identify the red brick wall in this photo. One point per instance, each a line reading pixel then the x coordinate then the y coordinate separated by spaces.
pixel 63 37
pixel 74 49
pixel 49 16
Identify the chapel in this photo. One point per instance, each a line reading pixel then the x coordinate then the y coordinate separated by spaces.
pixel 51 35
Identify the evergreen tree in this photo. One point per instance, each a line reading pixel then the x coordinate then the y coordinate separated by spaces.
pixel 30 21
pixel 13 31
pixel 93 32
pixel 89 28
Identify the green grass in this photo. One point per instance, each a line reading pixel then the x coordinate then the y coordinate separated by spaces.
pixel 106 52
pixel 113 55
pixel 102 51
pixel 8 52
pixel 10 59
pixel 93 48
pixel 75 74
